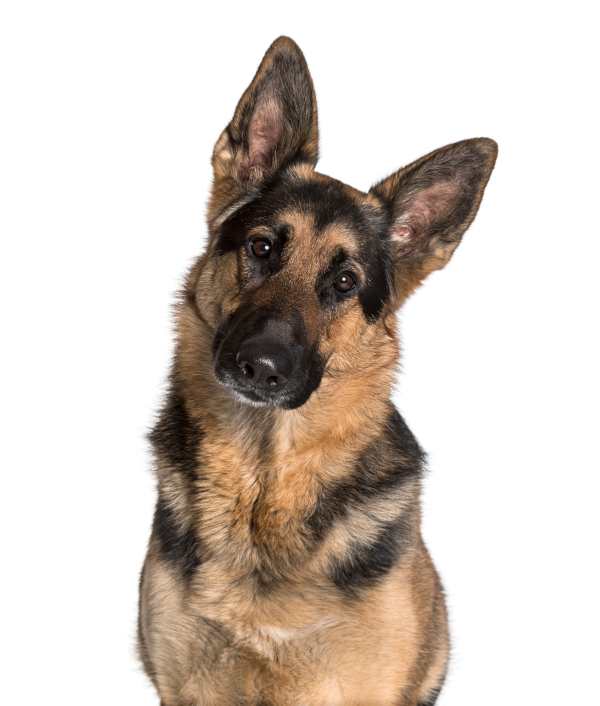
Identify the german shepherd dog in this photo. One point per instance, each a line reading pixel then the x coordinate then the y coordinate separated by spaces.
pixel 286 565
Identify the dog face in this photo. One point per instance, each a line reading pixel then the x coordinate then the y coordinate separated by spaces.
pixel 312 270
pixel 302 271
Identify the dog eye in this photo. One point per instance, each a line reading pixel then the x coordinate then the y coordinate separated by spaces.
pixel 344 282
pixel 261 248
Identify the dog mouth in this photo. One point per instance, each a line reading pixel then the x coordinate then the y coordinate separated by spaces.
pixel 252 395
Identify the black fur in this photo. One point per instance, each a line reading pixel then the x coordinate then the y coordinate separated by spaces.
pixel 366 563
pixel 176 439
pixel 373 475
pixel 179 546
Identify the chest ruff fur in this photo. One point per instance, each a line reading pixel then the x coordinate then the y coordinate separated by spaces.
pixel 277 570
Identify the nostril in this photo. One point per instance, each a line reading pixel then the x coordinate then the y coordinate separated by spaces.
pixel 246 368
pixel 272 380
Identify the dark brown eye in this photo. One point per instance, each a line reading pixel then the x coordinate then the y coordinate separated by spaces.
pixel 344 282
pixel 261 248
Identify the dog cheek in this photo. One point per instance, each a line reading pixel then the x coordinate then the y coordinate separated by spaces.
pixel 218 288
pixel 341 339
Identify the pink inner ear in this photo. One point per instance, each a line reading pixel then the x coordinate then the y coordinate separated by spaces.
pixel 265 133
pixel 429 207
pixel 401 233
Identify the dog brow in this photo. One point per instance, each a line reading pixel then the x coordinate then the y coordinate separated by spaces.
pixel 340 257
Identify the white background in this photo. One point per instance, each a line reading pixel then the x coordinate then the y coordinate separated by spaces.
pixel 109 113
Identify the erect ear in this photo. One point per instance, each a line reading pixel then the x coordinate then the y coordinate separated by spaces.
pixel 432 202
pixel 275 122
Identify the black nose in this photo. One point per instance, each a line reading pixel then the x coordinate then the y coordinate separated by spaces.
pixel 264 363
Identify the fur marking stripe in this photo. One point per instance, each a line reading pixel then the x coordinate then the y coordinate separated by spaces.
pixel 179 546
pixel 373 475
pixel 368 563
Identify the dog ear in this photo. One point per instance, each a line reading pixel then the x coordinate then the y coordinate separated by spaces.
pixel 431 203
pixel 275 122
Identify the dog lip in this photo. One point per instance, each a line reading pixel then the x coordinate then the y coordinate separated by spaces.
pixel 257 397
pixel 240 387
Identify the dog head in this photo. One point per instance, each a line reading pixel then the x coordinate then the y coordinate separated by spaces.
pixel 303 273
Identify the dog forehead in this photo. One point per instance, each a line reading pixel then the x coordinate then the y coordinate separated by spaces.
pixel 326 200
pixel 322 214
pixel 313 246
